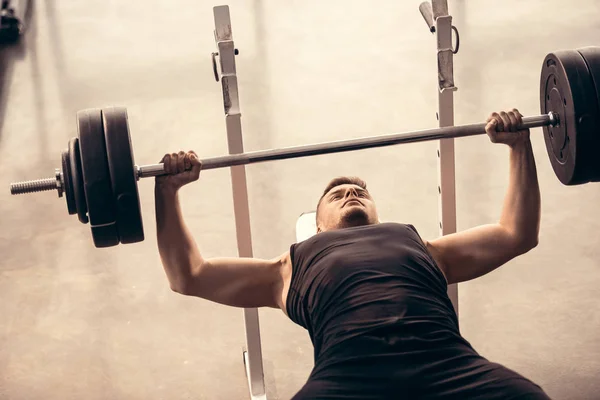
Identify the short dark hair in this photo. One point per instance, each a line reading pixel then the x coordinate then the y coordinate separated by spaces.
pixel 341 180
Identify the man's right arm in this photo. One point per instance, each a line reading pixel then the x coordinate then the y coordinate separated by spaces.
pixel 238 282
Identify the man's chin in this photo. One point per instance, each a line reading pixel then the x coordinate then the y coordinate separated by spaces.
pixel 354 216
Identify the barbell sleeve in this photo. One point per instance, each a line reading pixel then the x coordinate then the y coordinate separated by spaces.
pixel 146 171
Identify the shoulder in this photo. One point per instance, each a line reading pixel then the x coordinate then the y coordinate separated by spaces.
pixel 432 249
pixel 435 253
pixel 284 264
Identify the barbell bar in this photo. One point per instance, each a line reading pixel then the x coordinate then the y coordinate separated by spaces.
pixel 338 146
pixel 99 176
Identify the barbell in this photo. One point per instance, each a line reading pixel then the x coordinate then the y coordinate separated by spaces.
pixel 99 176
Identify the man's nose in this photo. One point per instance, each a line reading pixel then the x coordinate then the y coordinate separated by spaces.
pixel 351 192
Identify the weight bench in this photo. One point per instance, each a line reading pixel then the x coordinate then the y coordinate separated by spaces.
pixel 306 226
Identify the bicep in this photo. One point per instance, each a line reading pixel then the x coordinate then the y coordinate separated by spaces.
pixel 474 252
pixel 239 282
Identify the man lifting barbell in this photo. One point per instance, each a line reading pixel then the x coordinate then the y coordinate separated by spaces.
pixel 383 322
pixel 373 296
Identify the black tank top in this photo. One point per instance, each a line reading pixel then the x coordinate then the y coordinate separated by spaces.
pixel 368 280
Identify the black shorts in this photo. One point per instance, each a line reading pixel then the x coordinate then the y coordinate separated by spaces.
pixel 448 372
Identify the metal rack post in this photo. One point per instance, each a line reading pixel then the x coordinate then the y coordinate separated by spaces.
pixel 440 22
pixel 227 75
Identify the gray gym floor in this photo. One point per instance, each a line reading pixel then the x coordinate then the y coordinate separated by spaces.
pixel 78 322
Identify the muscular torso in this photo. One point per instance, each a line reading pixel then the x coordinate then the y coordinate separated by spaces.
pixel 366 280
pixel 376 307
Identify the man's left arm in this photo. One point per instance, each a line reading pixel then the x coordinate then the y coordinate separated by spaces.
pixel 474 252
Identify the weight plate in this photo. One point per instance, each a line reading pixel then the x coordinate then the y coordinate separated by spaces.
pixel 591 55
pixel 566 88
pixel 105 236
pixel 67 185
pixel 77 180
pixel 123 175
pixel 96 178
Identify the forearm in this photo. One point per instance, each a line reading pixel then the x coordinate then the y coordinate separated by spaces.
pixel 521 210
pixel 178 251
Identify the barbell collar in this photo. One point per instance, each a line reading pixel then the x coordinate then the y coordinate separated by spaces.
pixel 550 119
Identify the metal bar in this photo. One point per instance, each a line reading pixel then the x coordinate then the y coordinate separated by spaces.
pixel 233 120
pixel 446 161
pixel 339 146
pixel 445 53
pixel 439 8
pixel 38 185
pixel 427 13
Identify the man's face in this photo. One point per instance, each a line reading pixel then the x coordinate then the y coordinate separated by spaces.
pixel 345 206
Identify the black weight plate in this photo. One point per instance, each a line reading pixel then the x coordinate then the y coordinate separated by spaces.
pixel 77 180
pixel 68 186
pixel 105 236
pixel 566 88
pixel 96 178
pixel 123 174
pixel 591 55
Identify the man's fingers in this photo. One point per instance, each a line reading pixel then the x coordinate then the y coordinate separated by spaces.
pixel 166 160
pixel 492 117
pixel 490 128
pixel 505 127
pixel 195 164
pixel 196 168
pixel 173 163
pixel 180 162
pixel 177 163
pixel 499 122
pixel 494 123
pixel 519 117
pixel 195 160
pixel 514 121
pixel 505 121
